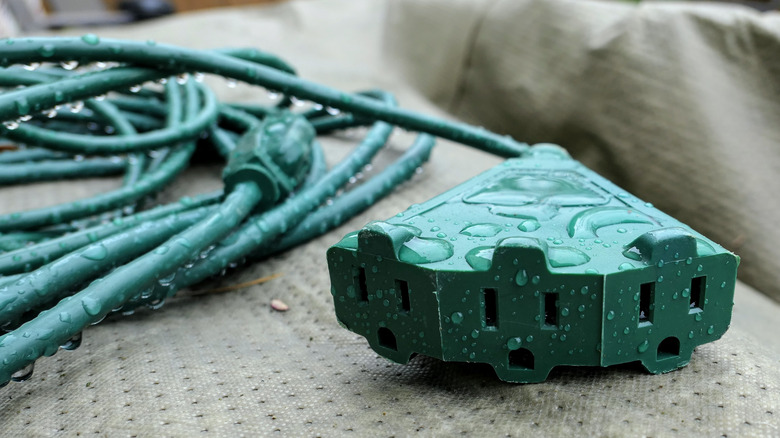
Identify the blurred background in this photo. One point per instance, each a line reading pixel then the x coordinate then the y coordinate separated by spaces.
pixel 19 16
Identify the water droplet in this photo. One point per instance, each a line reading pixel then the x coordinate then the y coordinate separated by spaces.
pixel 22 106
pixel 44 334
pixel 481 230
pixel 91 39
pixel 584 290
pixel 480 258
pixel 231 83
pixel 182 78
pixel 563 257
pixel 625 266
pixel 32 66
pixel 297 102
pixel 565 311
pixel 698 316
pixel 514 343
pixel 530 338
pixel 521 278
pixel 76 107
pixel 91 306
pixel 95 252
pixel 23 374
pixel 47 50
pixel 643 347
pixel 711 330
pixel 73 343
pixel 160 250
pixel 422 250
pixel 332 111
pixel 156 305
pixel 581 308
pixel 167 280
pixel 529 225
pixel 611 315
pixel 11 124
pixel 475 333
pixel 457 317
pixel 69 65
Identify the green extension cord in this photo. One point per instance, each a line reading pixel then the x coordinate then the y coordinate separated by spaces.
pixel 67 266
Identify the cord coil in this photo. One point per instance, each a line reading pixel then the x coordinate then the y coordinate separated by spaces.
pixel 89 111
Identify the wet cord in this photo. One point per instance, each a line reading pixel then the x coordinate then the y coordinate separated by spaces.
pixel 85 107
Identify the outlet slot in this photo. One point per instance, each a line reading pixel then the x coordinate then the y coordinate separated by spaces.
pixel 359 281
pixel 646 299
pixel 490 307
pixel 698 286
pixel 403 288
pixel 551 310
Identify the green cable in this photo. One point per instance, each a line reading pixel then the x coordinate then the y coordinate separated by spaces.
pixel 52 170
pixel 66 266
pixel 31 154
pixel 32 257
pixel 180 60
pixel 147 184
pixel 55 326
pixel 51 281
pixel 261 229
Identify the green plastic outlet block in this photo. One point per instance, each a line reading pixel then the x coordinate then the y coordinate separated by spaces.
pixel 536 263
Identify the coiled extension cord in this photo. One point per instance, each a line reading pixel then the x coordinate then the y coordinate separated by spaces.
pixel 89 106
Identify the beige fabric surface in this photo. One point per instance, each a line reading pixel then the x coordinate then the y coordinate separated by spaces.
pixel 227 365
pixel 676 102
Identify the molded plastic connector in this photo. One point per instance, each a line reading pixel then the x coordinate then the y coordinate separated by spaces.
pixel 276 155
pixel 536 263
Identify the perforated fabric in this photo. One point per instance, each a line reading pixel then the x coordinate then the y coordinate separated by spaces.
pixel 227 365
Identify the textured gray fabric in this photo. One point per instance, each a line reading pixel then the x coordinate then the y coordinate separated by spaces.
pixel 228 365
pixel 676 102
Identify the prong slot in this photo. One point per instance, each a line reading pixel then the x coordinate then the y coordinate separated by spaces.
pixel 490 307
pixel 698 287
pixel 403 288
pixel 551 310
pixel 359 280
pixel 646 299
